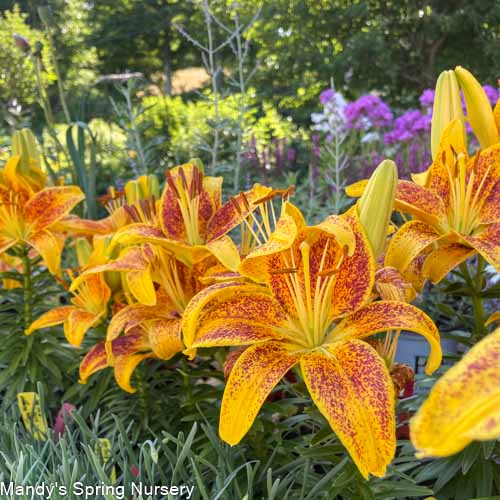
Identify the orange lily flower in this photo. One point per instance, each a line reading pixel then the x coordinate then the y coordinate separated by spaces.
pixel 27 217
pixel 455 213
pixel 89 308
pixel 312 309
pixel 192 222
pixel 463 405
pixel 150 331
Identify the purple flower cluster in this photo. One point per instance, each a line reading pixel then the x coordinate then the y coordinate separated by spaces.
pixel 492 94
pixel 369 111
pixel 408 126
pixel 326 96
pixel 427 98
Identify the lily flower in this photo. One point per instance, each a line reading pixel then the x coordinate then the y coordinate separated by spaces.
pixel 455 213
pixel 27 218
pixel 312 309
pixel 89 307
pixel 149 330
pixel 192 221
pixel 463 405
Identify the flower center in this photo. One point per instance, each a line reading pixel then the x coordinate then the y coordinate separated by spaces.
pixel 86 298
pixel 257 227
pixel 171 280
pixel 465 204
pixel 311 297
pixel 11 219
pixel 188 198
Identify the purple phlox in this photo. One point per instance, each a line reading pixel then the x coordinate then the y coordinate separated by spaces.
pixel 366 112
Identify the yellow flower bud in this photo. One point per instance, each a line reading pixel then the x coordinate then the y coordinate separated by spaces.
pixel 198 164
pixel 376 205
pixel 479 112
pixel 132 192
pixel 149 186
pixel 24 145
pixel 447 107
pixel 83 251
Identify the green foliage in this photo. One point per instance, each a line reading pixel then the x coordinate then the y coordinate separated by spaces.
pixel 17 77
pixel 26 361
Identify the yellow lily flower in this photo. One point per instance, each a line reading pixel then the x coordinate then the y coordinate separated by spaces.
pixel 150 330
pixel 89 308
pixel 27 218
pixel 455 214
pixel 312 310
pixel 463 405
pixel 192 222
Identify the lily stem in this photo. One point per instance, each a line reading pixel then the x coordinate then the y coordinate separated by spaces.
pixel 27 288
pixel 476 285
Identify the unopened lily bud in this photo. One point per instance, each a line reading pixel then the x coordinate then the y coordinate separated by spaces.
pixel 132 192
pixel 447 107
pixel 149 185
pixel 479 112
pixel 25 146
pixel 198 164
pixel 83 251
pixel 376 205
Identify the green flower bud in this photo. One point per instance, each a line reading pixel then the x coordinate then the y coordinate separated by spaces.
pixel 376 205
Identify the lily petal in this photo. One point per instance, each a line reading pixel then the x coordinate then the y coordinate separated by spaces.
pixel 225 251
pixel 133 315
pixel 356 276
pixel 219 315
pixel 124 367
pixel 420 202
pixel 487 243
pixel 445 258
pixel 228 217
pixel 253 377
pixel 352 388
pixel 77 324
pixel 390 315
pixel 49 246
pixel 165 337
pixel 96 359
pixel 256 265
pixel 141 286
pixel 490 211
pixel 6 242
pixel 410 240
pixel 50 205
pixel 463 405
pixel 50 318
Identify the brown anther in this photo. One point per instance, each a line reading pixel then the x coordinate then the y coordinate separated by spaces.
pixel 171 183
pixel 182 175
pixel 236 205
pixel 289 192
pixel 244 200
pixel 332 271
pixel 285 270
pixel 476 162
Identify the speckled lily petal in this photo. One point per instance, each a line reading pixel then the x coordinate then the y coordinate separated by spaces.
pixel 253 377
pixel 50 318
pixel 464 404
pixel 390 315
pixel 411 239
pixel 352 388
pixel 445 258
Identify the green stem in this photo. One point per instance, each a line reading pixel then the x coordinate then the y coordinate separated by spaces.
pixel 475 284
pixel 27 288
